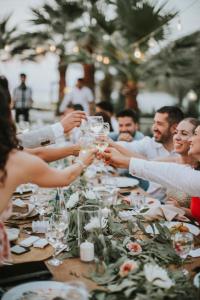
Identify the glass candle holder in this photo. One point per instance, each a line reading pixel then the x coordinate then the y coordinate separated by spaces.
pixel 89 225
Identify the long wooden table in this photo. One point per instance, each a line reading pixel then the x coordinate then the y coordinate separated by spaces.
pixel 73 269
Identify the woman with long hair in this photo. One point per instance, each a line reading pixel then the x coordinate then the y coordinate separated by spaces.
pixel 18 167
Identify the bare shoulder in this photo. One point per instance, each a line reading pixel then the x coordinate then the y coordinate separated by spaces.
pixel 21 157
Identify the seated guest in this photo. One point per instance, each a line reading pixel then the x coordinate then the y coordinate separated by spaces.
pixel 107 107
pixel 18 167
pixel 170 175
pixel 128 122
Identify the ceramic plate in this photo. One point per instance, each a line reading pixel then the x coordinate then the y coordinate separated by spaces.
pixel 45 290
pixel 197 280
pixel 192 228
pixel 125 182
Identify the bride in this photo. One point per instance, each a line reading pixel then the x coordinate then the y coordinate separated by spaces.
pixel 18 167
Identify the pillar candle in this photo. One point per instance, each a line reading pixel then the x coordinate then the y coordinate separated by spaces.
pixel 87 251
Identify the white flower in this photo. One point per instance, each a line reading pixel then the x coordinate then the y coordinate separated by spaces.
pixel 73 200
pixel 126 215
pixel 89 194
pixel 158 276
pixel 95 224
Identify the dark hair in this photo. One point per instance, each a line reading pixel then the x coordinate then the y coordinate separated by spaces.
pixel 195 122
pixel 80 79
pixel 106 118
pixel 77 107
pixel 129 113
pixel 175 114
pixel 105 105
pixel 4 86
pixel 8 140
pixel 22 75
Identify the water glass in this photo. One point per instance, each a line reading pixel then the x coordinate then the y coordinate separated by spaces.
pixel 183 243
pixel 138 201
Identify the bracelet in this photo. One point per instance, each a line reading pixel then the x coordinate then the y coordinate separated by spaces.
pixel 81 163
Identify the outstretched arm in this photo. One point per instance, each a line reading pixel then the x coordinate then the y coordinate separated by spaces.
pixel 52 154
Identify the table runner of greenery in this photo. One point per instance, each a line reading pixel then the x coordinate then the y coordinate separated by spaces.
pixel 131 264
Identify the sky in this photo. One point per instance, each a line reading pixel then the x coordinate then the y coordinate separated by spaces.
pixel 43 76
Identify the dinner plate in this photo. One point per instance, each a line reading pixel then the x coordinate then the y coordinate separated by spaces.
pixel 45 290
pixel 196 280
pixel 192 228
pixel 125 182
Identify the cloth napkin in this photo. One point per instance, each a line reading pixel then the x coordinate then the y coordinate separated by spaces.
pixel 166 212
pixel 19 215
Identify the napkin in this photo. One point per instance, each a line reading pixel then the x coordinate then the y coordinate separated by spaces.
pixel 22 215
pixel 195 253
pixel 167 212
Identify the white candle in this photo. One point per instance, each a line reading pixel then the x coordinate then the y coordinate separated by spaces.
pixel 87 251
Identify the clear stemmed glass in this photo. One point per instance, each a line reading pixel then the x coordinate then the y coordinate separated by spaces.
pixel 61 223
pixel 106 128
pixel 52 237
pixel 95 124
pixel 183 243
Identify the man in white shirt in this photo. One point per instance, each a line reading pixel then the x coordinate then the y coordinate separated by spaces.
pixel 49 134
pixel 80 94
pixel 161 145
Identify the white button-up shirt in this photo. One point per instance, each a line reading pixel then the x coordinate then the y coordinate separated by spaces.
pixel 170 175
pixel 151 150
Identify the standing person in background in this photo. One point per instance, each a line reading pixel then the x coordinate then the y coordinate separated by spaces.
pixel 22 99
pixel 80 94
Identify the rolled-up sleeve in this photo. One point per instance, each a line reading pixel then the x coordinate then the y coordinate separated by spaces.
pixel 170 175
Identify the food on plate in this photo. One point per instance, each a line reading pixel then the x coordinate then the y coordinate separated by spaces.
pixel 180 227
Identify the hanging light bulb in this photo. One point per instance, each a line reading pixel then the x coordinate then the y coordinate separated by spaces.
pixel 99 58
pixel 39 50
pixel 192 96
pixel 137 53
pixel 52 48
pixel 106 60
pixel 7 48
pixel 76 49
pixel 152 42
pixel 179 25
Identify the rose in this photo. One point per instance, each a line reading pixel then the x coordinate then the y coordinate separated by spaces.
pixel 127 267
pixel 134 247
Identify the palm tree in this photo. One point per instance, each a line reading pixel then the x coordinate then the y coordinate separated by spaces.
pixel 53 26
pixel 176 68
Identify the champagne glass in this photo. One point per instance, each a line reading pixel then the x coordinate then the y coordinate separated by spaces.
pixel 183 243
pixel 51 236
pixel 95 124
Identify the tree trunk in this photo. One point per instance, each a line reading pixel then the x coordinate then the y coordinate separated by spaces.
pixel 106 86
pixel 130 92
pixel 62 68
pixel 89 71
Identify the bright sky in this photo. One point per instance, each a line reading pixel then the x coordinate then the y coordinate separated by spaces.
pixel 43 76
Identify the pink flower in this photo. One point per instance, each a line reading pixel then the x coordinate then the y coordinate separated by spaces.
pixel 134 247
pixel 127 267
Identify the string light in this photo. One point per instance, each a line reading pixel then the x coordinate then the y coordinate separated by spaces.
pixel 192 96
pixel 52 48
pixel 7 48
pixel 137 53
pixel 106 60
pixel 99 58
pixel 76 49
pixel 179 25
pixel 39 50
pixel 152 42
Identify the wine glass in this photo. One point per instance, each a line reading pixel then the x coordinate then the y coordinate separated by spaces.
pixel 86 143
pixel 61 223
pixel 95 124
pixel 183 243
pixel 106 128
pixel 52 237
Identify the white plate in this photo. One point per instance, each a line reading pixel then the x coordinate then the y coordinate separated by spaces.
pixel 47 289
pixel 196 280
pixel 12 233
pixel 125 182
pixel 192 228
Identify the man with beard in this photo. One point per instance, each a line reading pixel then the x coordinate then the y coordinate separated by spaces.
pixel 128 123
pixel 160 145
